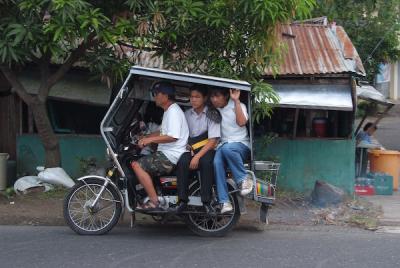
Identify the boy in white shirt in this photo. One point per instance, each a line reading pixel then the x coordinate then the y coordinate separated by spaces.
pixel 171 140
pixel 234 148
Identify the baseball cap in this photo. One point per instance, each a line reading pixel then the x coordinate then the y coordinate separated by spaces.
pixel 164 87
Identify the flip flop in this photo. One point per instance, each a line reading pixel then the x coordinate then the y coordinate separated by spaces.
pixel 150 206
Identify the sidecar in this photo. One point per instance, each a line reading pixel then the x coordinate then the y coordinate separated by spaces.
pixel 121 127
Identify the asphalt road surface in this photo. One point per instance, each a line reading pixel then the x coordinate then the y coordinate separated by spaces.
pixel 175 246
pixel 388 133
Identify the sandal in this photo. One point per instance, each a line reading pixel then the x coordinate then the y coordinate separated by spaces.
pixel 151 206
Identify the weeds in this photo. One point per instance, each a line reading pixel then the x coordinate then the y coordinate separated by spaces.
pixel 57 193
pixel 8 193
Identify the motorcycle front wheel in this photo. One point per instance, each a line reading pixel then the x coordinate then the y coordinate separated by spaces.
pixel 86 219
pixel 215 224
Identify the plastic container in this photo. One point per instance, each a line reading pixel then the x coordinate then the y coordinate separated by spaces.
pixel 383 184
pixel 364 190
pixel 386 162
pixel 3 170
pixel 320 126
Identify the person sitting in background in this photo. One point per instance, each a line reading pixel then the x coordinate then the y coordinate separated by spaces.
pixel 366 133
pixel 365 137
pixel 365 141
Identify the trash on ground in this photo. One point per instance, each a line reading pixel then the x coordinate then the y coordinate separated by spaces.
pixel 44 181
pixel 55 176
pixel 356 213
pixel 29 184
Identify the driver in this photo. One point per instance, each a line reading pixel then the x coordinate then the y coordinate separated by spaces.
pixel 171 139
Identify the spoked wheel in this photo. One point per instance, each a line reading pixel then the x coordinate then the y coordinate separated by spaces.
pixel 86 219
pixel 213 224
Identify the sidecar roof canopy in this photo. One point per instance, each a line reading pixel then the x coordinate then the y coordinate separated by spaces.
pixel 190 78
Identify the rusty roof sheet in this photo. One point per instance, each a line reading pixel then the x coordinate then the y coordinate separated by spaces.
pixel 317 49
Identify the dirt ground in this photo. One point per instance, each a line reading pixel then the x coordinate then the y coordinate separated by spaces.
pixel 32 209
pixel 45 209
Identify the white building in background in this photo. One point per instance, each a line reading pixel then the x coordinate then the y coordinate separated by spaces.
pixel 388 81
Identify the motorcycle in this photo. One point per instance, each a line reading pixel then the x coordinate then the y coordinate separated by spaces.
pixel 96 203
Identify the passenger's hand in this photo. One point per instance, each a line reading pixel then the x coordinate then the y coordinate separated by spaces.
pixel 235 94
pixel 194 164
pixel 144 142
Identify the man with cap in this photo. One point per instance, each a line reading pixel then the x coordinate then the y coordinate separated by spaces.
pixel 171 139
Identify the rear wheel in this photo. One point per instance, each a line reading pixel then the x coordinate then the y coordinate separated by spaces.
pixel 213 224
pixel 85 219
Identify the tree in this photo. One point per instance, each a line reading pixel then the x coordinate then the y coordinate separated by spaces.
pixel 230 38
pixel 372 25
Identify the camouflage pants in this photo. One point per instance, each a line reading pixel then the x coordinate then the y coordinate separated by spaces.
pixel 156 164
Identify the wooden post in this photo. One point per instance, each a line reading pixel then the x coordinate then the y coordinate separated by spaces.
pixel 296 119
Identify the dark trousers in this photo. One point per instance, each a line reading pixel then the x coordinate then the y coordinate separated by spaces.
pixel 184 174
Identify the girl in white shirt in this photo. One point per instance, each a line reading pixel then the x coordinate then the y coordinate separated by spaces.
pixel 234 148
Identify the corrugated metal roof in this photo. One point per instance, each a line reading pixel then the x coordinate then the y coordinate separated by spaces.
pixel 317 49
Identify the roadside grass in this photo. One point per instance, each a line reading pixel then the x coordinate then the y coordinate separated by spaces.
pixel 363 214
pixel 56 193
pixel 289 194
pixel 353 212
pixel 364 221
pixel 8 192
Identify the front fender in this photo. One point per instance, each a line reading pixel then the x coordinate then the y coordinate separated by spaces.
pixel 109 182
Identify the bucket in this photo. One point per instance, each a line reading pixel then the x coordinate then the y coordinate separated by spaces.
pixel 386 162
pixel 3 170
pixel 320 126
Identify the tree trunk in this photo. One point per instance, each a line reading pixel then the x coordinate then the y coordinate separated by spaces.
pixel 46 133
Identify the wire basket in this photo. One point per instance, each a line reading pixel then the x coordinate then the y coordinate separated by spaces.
pixel 265 185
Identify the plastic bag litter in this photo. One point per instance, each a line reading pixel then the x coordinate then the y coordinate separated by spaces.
pixel 56 176
pixel 28 182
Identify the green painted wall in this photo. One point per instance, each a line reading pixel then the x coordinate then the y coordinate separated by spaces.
pixel 305 161
pixel 302 161
pixel 30 153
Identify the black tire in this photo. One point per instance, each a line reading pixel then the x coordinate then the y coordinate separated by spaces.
pixel 208 230
pixel 110 199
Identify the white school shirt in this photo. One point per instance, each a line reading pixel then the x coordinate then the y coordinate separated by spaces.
pixel 230 130
pixel 174 125
pixel 199 123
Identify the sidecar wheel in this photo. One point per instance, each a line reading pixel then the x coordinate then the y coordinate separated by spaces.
pixel 98 220
pixel 214 225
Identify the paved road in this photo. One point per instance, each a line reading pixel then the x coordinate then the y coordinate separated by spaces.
pixel 388 133
pixel 174 246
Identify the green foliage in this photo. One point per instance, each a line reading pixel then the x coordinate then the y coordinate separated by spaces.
pixel 50 31
pixel 366 108
pixel 227 38
pixel 232 39
pixel 86 164
pixel 264 98
pixel 9 192
pixel 368 23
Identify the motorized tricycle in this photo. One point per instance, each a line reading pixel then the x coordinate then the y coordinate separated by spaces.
pixel 95 204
